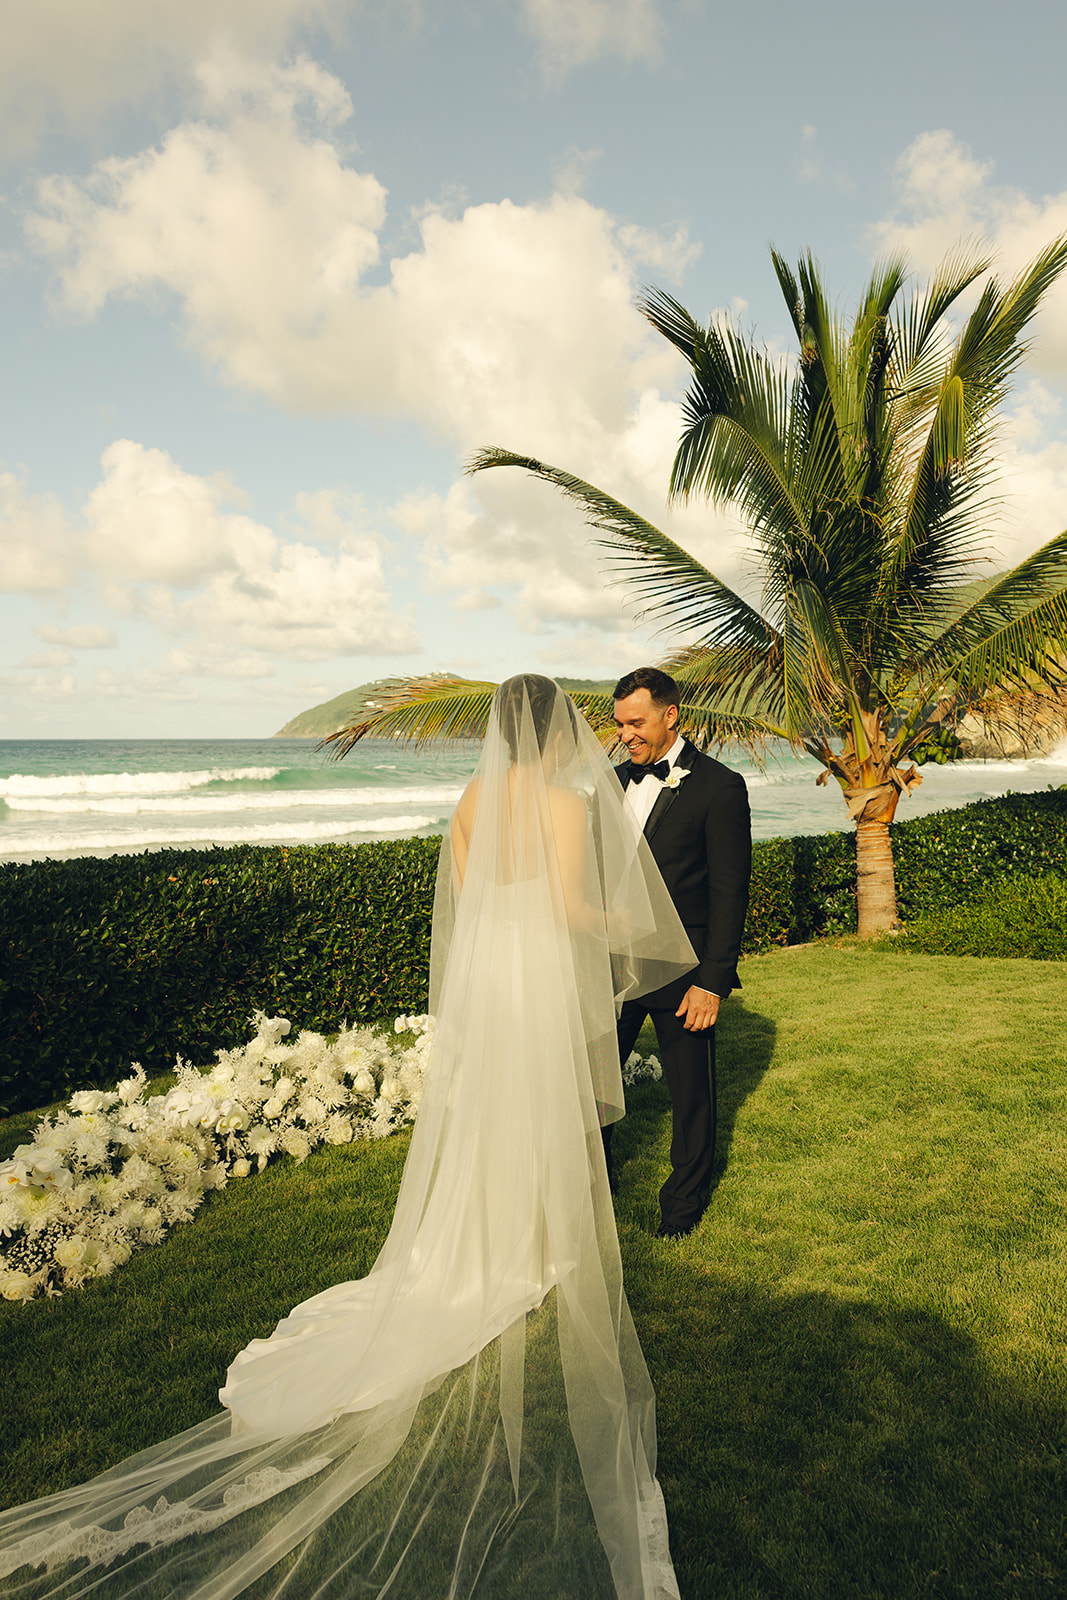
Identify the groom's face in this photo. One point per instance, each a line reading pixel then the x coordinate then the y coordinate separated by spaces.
pixel 647 730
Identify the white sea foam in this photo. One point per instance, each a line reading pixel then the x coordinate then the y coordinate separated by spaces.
pixel 242 800
pixel 132 783
pixel 44 844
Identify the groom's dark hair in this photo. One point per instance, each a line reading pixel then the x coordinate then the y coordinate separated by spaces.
pixel 660 685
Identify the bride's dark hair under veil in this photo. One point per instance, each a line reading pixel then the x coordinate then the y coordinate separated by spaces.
pixel 474 1417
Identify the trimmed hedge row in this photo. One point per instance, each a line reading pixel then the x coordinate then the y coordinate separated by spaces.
pixel 145 957
pixel 1020 917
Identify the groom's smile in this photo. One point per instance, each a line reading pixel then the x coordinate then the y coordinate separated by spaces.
pixel 647 730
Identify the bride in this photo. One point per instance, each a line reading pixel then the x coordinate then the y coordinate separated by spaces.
pixel 473 1418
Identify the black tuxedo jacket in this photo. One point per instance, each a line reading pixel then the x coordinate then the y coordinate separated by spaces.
pixel 700 834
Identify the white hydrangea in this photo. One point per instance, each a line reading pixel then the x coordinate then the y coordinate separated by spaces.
pixel 115 1169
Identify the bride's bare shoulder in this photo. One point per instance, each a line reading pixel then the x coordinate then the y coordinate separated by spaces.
pixel 463 816
pixel 567 808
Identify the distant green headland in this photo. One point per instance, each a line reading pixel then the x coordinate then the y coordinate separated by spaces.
pixel 319 721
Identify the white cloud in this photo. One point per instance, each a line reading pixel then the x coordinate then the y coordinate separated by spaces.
pixel 69 60
pixel 946 195
pixel 572 32
pixel 510 324
pixel 87 637
pixel 49 658
pixel 505 316
pixel 150 521
pixel 38 547
pixel 162 547
pixel 157 530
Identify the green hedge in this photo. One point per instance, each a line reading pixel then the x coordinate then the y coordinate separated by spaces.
pixel 804 888
pixel 145 957
pixel 1023 917
pixel 140 958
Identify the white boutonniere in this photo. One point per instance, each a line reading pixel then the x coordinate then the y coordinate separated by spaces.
pixel 673 780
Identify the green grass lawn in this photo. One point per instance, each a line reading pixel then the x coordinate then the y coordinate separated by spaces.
pixel 860 1357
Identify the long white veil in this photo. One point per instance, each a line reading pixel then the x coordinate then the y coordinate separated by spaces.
pixel 473 1418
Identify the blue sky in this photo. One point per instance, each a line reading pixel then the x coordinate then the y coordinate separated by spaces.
pixel 273 269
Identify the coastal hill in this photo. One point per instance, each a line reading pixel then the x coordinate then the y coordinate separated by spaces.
pixel 318 721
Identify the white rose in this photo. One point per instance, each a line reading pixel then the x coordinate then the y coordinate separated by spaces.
pixel 273 1108
pixel 390 1090
pixel 70 1252
pixel 284 1089
pixel 364 1083
pixel 16 1285
pixel 91 1100
pixel 241 1168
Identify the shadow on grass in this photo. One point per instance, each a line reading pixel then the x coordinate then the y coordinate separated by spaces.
pixel 744 1046
pixel 813 1446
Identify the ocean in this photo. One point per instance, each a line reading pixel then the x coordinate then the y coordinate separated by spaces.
pixel 69 797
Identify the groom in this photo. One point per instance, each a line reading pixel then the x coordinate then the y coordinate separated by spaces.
pixel 694 813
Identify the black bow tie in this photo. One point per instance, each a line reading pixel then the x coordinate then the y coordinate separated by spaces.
pixel 658 769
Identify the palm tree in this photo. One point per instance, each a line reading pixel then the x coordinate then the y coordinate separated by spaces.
pixel 864 472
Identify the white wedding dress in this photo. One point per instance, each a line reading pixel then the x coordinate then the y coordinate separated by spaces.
pixel 473 1418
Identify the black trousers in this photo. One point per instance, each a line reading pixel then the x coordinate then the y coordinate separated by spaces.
pixel 689 1071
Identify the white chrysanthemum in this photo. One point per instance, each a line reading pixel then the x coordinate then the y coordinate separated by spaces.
pixel 312 1111
pixel 213 1176
pixel 152 1225
pixel 38 1208
pixel 308 1049
pixel 180 1205
pixel 338 1129
pixel 136 1174
pixel 109 1192
pixel 260 1140
pixel 54 1136
pixel 295 1142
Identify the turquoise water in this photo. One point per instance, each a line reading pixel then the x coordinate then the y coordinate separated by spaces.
pixel 68 797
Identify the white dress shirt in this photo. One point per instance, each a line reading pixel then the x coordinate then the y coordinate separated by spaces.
pixel 641 797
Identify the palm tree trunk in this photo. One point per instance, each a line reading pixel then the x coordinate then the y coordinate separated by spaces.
pixel 876 889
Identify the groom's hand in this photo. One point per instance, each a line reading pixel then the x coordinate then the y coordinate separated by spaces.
pixel 699 1008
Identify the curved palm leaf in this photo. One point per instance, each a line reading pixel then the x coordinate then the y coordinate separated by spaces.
pixel 427 711
pixel 679 585
pixel 1022 609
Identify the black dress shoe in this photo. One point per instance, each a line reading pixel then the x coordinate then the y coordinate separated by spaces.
pixel 671 1230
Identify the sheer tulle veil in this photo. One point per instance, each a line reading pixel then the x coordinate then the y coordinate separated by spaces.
pixel 473 1418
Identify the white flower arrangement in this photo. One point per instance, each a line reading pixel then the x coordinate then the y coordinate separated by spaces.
pixel 673 780
pixel 637 1069
pixel 115 1169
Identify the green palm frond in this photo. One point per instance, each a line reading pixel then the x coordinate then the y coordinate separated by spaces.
pixel 674 583
pixel 425 711
pixel 1035 589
